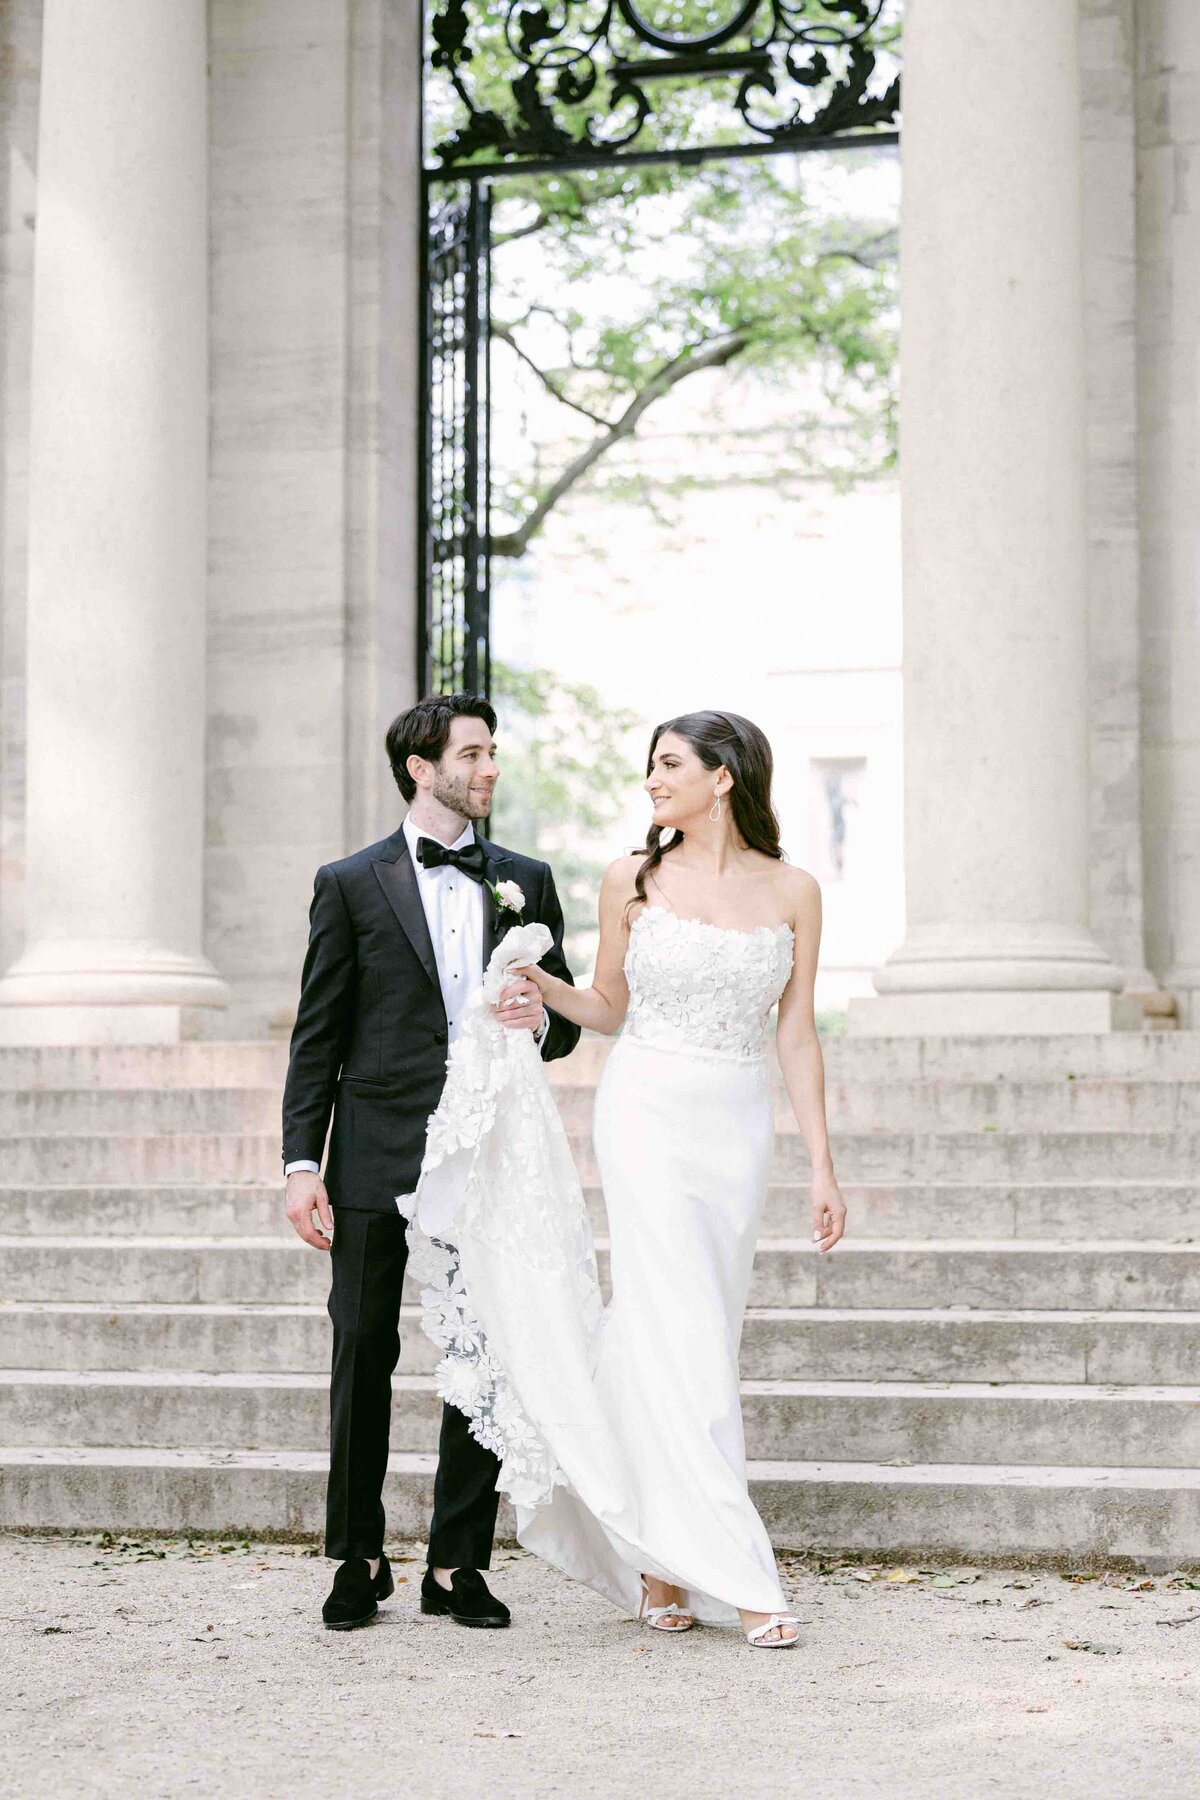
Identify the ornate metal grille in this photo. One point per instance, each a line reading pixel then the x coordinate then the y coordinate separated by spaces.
pixel 590 85
pixel 588 75
pixel 455 583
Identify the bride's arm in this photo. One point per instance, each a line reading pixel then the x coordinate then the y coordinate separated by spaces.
pixel 799 1050
pixel 602 1006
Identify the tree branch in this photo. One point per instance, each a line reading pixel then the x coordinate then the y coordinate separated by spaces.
pixel 521 231
pixel 688 362
pixel 871 255
pixel 505 334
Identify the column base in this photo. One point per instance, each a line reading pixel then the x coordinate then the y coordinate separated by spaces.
pixel 105 993
pixel 1041 1012
pixel 1184 985
pixel 37 1026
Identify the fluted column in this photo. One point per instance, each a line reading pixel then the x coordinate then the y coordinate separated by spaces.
pixel 117 531
pixel 1169 271
pixel 992 472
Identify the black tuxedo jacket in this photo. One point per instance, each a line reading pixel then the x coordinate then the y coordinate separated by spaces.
pixel 370 1040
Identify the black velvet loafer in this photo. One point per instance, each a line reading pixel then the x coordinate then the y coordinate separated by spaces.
pixel 467 1600
pixel 354 1598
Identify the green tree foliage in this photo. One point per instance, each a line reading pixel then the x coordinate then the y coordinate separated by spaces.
pixel 565 779
pixel 729 264
pixel 726 266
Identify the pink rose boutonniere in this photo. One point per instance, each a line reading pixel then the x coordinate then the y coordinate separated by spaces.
pixel 508 897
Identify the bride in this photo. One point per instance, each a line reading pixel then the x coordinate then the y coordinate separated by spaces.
pixel 619 1429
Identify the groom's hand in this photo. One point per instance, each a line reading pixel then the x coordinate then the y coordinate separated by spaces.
pixel 520 1005
pixel 305 1193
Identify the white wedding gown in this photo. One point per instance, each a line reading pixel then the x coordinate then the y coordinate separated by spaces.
pixel 619 1429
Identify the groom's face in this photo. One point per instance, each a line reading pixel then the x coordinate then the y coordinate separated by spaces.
pixel 466 774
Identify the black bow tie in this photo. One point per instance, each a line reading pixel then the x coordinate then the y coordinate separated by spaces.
pixel 470 859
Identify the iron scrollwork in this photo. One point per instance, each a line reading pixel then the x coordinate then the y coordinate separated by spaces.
pixel 455 565
pixel 585 72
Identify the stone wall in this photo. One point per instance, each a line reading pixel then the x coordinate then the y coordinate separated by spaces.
pixel 1114 649
pixel 1168 123
pixel 311 620
pixel 20 46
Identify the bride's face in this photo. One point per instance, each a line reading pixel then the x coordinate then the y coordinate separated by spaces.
pixel 681 789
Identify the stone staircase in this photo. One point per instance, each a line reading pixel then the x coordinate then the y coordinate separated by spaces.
pixel 1002 1359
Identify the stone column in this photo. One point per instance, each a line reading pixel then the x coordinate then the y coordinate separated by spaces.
pixel 1169 392
pixel 993 471
pixel 117 531
pixel 315 209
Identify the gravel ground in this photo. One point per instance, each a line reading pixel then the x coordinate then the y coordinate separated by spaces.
pixel 167 1669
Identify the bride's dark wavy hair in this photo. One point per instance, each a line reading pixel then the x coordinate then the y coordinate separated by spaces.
pixel 722 739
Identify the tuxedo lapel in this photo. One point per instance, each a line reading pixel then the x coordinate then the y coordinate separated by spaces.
pixel 494 922
pixel 398 880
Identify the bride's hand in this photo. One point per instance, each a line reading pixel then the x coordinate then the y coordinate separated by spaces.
pixel 535 973
pixel 828 1211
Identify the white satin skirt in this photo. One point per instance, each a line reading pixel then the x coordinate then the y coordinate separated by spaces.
pixel 683 1144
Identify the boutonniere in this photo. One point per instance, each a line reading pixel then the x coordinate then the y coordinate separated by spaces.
pixel 508 897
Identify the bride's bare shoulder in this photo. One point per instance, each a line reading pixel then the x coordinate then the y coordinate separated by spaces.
pixel 800 893
pixel 621 875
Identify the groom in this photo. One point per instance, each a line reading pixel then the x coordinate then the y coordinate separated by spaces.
pixel 399 937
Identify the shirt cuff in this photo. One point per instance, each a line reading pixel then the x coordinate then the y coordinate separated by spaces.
pixel 290 1168
pixel 539 1036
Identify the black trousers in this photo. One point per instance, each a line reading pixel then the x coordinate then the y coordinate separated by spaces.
pixel 368 1255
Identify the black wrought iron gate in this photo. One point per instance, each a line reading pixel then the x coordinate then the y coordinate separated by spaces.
pixel 455 412
pixel 818 56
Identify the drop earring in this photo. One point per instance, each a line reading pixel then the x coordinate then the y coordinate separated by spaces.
pixel 714 812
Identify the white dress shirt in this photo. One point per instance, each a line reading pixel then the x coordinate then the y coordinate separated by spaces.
pixel 453 906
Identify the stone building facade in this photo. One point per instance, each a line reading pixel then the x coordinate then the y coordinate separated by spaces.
pixel 209 283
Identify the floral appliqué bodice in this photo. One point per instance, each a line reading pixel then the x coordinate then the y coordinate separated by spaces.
pixel 703 988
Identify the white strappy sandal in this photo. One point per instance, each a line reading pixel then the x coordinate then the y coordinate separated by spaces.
pixel 758 1636
pixel 663 1618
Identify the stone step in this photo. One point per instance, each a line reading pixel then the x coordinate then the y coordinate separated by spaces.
pixel 1143 1276
pixel 1077 1211
pixel 847 1421
pixel 140 1111
pixel 198 1065
pixel 967 1157
pixel 939 1104
pixel 1004 1514
pixel 122 1157
pixel 1054 1103
pixel 942 1104
pixel 1120 1055
pixel 787 1343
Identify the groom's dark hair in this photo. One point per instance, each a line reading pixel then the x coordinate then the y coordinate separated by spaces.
pixel 424 731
